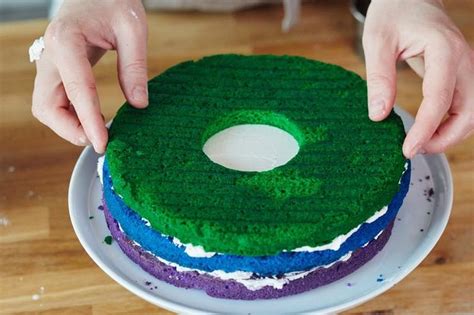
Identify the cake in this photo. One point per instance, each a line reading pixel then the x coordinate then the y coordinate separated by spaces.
pixel 253 235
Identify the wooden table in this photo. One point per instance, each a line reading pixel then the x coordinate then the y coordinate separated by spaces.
pixel 44 269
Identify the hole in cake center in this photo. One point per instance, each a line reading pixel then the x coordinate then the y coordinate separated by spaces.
pixel 251 147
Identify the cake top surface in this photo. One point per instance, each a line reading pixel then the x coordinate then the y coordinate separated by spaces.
pixel 347 168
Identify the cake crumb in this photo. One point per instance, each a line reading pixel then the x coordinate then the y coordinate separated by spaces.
pixel 101 207
pixel 430 192
pixel 147 282
pixel 11 169
pixel 380 278
pixel 91 217
pixel 108 240
pixel 30 194
pixel 427 177
pixel 422 230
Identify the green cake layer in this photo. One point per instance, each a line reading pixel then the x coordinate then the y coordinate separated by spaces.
pixel 347 167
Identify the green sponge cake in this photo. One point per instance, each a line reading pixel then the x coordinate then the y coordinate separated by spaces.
pixel 329 207
pixel 347 166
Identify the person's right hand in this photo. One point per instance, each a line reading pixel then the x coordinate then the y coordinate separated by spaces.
pixel 65 96
pixel 421 32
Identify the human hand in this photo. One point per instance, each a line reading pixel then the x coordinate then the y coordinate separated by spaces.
pixel 421 33
pixel 65 95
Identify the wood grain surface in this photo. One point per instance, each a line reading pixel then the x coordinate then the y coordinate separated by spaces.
pixel 44 269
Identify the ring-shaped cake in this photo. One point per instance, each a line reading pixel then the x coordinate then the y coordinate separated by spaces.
pixel 252 235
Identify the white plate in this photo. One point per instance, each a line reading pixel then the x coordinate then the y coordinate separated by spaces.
pixel 418 227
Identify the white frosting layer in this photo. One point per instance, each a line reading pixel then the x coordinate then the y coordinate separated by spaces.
pixel 100 168
pixel 335 244
pixel 339 240
pixel 199 251
pixel 193 250
pixel 245 277
pixel 406 168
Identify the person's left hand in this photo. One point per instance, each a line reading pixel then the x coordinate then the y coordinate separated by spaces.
pixel 404 29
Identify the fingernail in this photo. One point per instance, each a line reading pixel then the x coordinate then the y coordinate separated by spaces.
pixel 140 93
pixel 376 108
pixel 98 148
pixel 417 149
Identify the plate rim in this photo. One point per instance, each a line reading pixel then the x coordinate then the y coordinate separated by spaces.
pixel 426 245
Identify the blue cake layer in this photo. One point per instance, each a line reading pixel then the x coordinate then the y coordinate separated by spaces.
pixel 162 246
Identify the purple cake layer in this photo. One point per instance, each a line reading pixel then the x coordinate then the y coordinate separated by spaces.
pixel 230 289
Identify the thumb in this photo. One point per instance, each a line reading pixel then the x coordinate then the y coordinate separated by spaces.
pixel 380 63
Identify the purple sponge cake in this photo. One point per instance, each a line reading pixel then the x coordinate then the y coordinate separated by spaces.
pixel 253 235
pixel 232 289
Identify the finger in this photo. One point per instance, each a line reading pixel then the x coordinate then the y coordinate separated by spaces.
pixel 438 87
pixel 380 61
pixel 51 107
pixel 61 120
pixel 460 123
pixel 453 130
pixel 65 123
pixel 132 65
pixel 79 83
